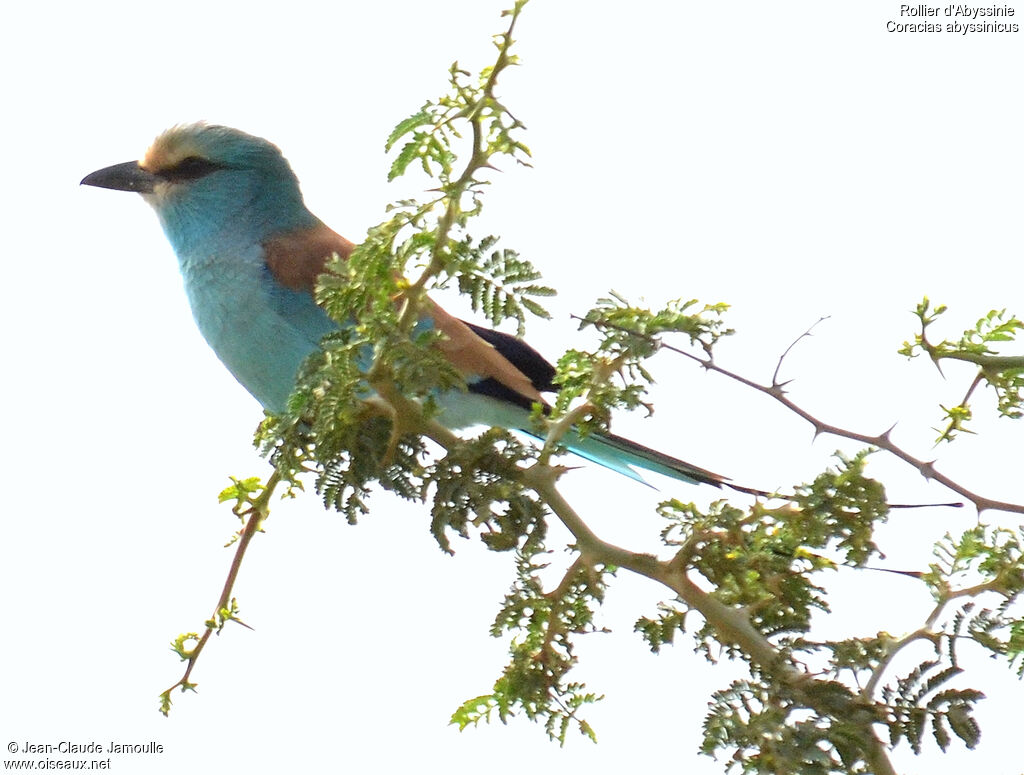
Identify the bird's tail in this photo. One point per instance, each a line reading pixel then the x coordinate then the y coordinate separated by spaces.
pixel 625 456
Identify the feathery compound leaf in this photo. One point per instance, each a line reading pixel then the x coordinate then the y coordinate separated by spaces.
pixel 405 126
pixel 475 485
pixel 542 653
pixel 405 157
pixel 963 724
pixel 911 710
pixel 662 630
pixel 1003 373
pixel 499 285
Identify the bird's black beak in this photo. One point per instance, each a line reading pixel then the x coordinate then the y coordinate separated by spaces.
pixel 123 177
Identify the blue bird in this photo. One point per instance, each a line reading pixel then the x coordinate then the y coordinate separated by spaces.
pixel 250 253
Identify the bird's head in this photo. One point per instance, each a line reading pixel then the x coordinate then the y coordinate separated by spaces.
pixel 206 181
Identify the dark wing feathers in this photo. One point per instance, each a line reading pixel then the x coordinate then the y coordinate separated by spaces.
pixel 531 363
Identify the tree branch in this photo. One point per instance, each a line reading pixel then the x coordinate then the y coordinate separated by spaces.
pixel 731 624
pixel 882 441
pixel 254 516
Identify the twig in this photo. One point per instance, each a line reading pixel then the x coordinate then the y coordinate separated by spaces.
pixel 925 632
pixel 256 514
pixel 882 440
pixel 453 193
pixel 809 332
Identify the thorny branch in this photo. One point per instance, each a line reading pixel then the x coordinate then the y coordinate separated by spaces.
pixel 883 440
pixel 254 516
pixel 731 624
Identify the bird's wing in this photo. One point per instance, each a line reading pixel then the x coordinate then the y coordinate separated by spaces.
pixel 297 258
pixel 527 360
pixel 495 365
pixel 498 364
pixel 482 362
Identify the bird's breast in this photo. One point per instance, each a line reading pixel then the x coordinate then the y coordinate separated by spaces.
pixel 260 331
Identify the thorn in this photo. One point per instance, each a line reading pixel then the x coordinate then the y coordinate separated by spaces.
pixel 914 574
pixel 884 438
pixel 951 505
pixel 752 491
pixel 928 470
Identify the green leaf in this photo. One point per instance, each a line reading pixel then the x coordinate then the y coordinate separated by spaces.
pixel 409 152
pixel 406 125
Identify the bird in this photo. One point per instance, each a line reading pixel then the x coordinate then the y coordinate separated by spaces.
pixel 250 253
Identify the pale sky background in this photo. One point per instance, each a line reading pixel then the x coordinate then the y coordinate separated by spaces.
pixel 792 159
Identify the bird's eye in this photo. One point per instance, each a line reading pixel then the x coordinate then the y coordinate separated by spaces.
pixel 191 168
